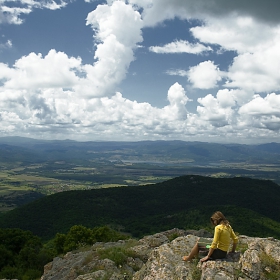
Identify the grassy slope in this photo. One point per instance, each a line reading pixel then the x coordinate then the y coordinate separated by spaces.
pixel 186 202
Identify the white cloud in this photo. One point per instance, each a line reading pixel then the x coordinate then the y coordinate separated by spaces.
pixel 11 10
pixel 255 67
pixel 12 15
pixel 57 96
pixel 57 113
pixel 240 34
pixel 226 98
pixel 215 110
pixel 205 75
pixel 114 51
pixel 156 11
pixel 34 71
pixel 181 46
pixel 235 26
pixel 7 45
pixel 262 113
pixel 258 71
pixel 177 99
pixel 46 109
pixel 262 106
pixel 177 72
pixel 52 5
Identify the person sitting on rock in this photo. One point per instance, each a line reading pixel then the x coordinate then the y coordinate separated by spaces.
pixel 221 242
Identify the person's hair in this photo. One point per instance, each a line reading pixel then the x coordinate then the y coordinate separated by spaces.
pixel 219 218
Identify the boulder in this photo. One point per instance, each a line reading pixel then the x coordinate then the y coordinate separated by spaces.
pixel 159 257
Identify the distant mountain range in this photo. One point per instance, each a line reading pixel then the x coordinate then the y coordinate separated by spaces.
pixel 32 150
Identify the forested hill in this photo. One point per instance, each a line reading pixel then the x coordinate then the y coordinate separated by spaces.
pixel 185 202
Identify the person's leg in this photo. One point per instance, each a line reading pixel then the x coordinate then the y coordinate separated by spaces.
pixel 193 253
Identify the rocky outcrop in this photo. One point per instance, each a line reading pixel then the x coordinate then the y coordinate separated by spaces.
pixel 159 257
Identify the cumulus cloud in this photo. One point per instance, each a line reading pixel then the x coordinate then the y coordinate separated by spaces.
pixel 42 83
pixel 45 110
pixel 258 71
pixel 181 46
pixel 235 26
pixel 114 51
pixel 35 71
pixel 113 55
pixel 262 106
pixel 156 11
pixel 226 98
pixel 57 96
pixel 262 113
pixel 11 11
pixel 215 110
pixel 245 31
pixel 205 75
pixel 177 99
pixel 237 33
pixel 57 113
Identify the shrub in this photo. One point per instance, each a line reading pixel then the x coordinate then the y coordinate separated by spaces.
pixel 22 255
pixel 80 236
pixel 106 234
pixel 59 242
pixel 10 272
pixel 118 254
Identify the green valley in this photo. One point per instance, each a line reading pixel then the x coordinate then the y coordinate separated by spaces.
pixel 31 168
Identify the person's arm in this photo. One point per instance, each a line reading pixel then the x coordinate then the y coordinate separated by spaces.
pixel 233 247
pixel 211 250
pixel 235 240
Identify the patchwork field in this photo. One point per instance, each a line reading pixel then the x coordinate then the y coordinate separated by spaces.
pixel 24 183
pixel 31 168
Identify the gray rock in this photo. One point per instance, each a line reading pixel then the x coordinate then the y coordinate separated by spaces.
pixel 159 257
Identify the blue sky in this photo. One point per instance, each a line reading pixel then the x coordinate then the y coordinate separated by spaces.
pixel 133 70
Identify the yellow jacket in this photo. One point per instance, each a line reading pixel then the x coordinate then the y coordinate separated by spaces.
pixel 222 236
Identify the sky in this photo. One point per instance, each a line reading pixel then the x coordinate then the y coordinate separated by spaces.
pixel 134 70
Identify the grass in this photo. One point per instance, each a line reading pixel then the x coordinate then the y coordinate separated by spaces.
pixel 196 272
pixel 270 267
pixel 118 254
pixel 238 274
pixel 242 247
pixel 89 258
pixel 173 236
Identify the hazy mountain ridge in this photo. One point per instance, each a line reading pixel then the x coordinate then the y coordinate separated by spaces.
pixel 195 152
